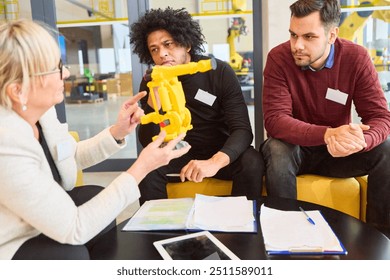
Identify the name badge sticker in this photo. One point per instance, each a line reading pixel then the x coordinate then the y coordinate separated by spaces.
pixel 64 150
pixel 205 97
pixel 336 96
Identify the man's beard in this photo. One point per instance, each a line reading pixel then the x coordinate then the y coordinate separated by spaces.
pixel 305 61
pixel 302 62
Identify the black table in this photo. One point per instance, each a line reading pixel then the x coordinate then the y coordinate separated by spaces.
pixel 363 242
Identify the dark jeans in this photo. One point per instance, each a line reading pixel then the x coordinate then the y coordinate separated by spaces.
pixel 285 161
pixel 246 173
pixel 42 247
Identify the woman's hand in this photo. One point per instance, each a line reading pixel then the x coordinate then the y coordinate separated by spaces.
pixel 153 156
pixel 129 117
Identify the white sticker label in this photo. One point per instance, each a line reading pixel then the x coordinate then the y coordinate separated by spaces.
pixel 205 97
pixel 64 150
pixel 336 96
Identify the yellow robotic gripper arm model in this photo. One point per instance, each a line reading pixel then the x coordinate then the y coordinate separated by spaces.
pixel 176 118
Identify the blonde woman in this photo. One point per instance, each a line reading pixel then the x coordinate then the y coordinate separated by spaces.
pixel 41 215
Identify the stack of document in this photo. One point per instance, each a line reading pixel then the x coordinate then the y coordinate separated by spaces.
pixel 234 214
pixel 224 214
pixel 290 232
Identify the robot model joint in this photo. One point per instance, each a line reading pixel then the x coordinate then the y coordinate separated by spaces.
pixel 166 89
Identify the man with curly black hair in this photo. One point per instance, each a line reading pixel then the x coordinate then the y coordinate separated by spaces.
pixel 221 136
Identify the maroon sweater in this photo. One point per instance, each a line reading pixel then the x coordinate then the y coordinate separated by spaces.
pixel 294 104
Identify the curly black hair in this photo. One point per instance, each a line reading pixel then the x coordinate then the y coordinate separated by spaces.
pixel 178 23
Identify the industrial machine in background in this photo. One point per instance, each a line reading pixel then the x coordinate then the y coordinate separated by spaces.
pixel 352 25
pixel 237 62
pixel 88 89
pixel 240 63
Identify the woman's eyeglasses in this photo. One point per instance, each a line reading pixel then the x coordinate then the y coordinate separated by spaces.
pixel 60 69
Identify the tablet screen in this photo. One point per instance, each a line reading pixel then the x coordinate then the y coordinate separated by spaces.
pixel 196 246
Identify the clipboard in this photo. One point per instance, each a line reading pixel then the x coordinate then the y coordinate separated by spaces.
pixel 289 233
pixel 309 251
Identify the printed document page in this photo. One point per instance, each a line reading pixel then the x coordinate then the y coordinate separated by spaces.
pixel 161 214
pixel 228 214
pixel 290 232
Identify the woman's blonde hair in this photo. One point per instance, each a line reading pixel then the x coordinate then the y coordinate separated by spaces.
pixel 26 48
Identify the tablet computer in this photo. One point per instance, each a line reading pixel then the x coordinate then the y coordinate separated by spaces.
pixel 195 246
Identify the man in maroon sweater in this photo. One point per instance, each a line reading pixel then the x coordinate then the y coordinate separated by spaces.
pixel 310 84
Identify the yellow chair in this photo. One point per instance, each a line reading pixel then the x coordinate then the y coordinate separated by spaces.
pixel 363 196
pixel 79 181
pixel 341 194
pixel 209 186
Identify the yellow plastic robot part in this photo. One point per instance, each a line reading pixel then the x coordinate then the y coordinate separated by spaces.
pixel 176 118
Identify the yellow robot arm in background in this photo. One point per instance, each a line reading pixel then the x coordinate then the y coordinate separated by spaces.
pixel 237 28
pixel 176 118
pixel 239 5
pixel 351 25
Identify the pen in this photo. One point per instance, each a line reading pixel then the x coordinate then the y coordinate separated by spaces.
pixel 307 216
pixel 173 175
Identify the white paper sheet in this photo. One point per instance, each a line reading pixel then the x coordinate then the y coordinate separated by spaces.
pixel 161 214
pixel 222 213
pixel 291 231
